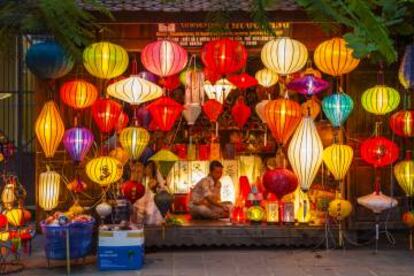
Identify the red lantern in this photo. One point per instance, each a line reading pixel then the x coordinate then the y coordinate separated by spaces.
pixel 280 182
pixel 106 112
pixel 3 220
pixel 211 75
pixel 27 216
pixel 164 112
pixel 379 151
pixel 78 94
pixel 212 108
pixel 240 112
pixel 244 187
pixel 402 123
pixel 203 152
pixel 243 81
pixel 122 122
pixel 170 82
pixel 132 190
pixel 238 215
pixel 224 56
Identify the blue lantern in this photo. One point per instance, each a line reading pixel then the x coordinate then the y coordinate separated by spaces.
pixel 146 154
pixel 406 72
pixel 337 108
pixel 48 60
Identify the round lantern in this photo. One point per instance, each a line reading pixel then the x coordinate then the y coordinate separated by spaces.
pixel 402 123
pixel 260 110
pixel 243 81
pixel 308 85
pixel 77 142
pixel 219 91
pixel 337 108
pixel 256 214
pixel 48 60
pixel 379 151
pixel 284 55
pixel 311 108
pixel 340 208
pixel 105 113
pixel 280 182
pixel 406 71
pixel 191 113
pixel 212 109
pixel 404 172
pixel 282 116
pixel 165 112
pixel 49 128
pixel 338 159
pixel 119 154
pixel 105 60
pixel 3 220
pixel 240 112
pixel 305 152
pixel 132 190
pixel 224 56
pixel 334 58
pixel 408 218
pixel 380 99
pixel 377 202
pixel 78 93
pixel 266 77
pixel 15 217
pixel 122 121
pixel 104 170
pixel 164 58
pixel 49 189
pixel 134 140
pixel 103 209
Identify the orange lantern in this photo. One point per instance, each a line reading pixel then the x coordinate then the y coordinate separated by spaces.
pixel 78 93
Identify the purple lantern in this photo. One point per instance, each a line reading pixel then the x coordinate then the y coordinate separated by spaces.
pixel 144 117
pixel 148 76
pixel 308 85
pixel 77 142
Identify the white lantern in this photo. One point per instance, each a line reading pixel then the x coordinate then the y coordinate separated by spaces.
pixel 377 202
pixel 49 189
pixel 227 191
pixel 260 110
pixel 219 91
pixel 103 209
pixel 191 112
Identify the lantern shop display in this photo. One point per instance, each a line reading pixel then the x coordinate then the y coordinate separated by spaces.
pixel 311 107
pixel 165 111
pixel 132 190
pixel 404 173
pixel 78 142
pixel 266 77
pixel 240 112
pixel 104 170
pixel 280 182
pixel 379 151
pixel 377 202
pixel 219 91
pixel 78 93
pixel 255 214
pixel 134 140
pixel 406 70
pixel 380 99
pixel 191 112
pixel 337 108
pixel 48 190
pixel 338 159
pixel 402 123
pixel 49 128
pixel 105 113
pixel 308 85
pixel 243 81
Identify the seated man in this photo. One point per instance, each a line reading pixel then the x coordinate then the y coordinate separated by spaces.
pixel 205 196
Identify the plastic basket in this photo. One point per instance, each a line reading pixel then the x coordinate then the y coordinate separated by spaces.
pixel 80 240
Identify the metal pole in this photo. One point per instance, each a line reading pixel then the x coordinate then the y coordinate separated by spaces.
pixel 20 107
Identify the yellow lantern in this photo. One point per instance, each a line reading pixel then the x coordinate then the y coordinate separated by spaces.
pixel 255 214
pixel 334 58
pixel 8 196
pixel 119 154
pixel 338 159
pixel 15 217
pixel 76 209
pixel 105 60
pixel 311 107
pixel 272 211
pixel 49 128
pixel 4 236
pixel 104 170
pixel 301 205
pixel 49 189
pixel 219 91
pixel 339 208
pixel 380 99
pixel 404 172
pixel 266 77
pixel 284 55
pixel 134 140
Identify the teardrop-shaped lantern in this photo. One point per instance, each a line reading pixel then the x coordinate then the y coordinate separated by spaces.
pixel 404 172
pixel 305 152
pixel 380 99
pixel 49 190
pixel 379 151
pixel 338 159
pixel 308 85
pixel 337 108
pixel 77 142
pixel 377 202
pixel 119 154
pixel 219 91
pixel 164 58
pixel 240 112
pixel 243 81
pixel 402 123
pixel 49 128
pixel 134 140
pixel 311 107
pixel 194 82
pixel 284 55
pixel 282 116
pixel 78 93
pixel 165 112
pixel 260 110
pixel 212 109
pixel 406 71
pixel 104 170
pixel 191 113
pixel 266 77
pixel 105 113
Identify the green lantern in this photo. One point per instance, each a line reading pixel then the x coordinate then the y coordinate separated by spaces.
pixel 380 99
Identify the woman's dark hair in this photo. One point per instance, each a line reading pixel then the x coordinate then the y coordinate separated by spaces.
pixel 215 164
pixel 153 168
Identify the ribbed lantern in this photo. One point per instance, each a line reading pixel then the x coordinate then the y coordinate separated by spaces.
pixel 380 99
pixel 377 202
pixel 282 116
pixel 404 172
pixel 165 112
pixel 105 113
pixel 338 159
pixel 305 152
pixel 119 154
pixel 105 60
pixel 402 123
pixel 212 109
pixel 311 107
pixel 78 142
pixel 224 56
pixel 49 128
pixel 379 151
pixel 240 112
pixel 134 140
pixel 266 77
pixel 78 93
pixel 219 91
pixel 260 110
pixel 337 108
pixel 243 81
pixel 191 113
pixel 334 58
pixel 104 170
pixel 284 55
pixel 49 189
pixel 164 58
pixel 406 71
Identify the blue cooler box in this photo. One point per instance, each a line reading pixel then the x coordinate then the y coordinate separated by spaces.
pixel 121 250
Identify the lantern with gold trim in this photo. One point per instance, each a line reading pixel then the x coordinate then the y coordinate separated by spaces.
pixel 338 159
pixel 134 140
pixel 104 170
pixel 15 217
pixel 266 77
pixel 380 99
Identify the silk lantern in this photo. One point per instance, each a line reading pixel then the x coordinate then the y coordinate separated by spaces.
pixel 243 81
pixel 104 170
pixel 134 140
pixel 105 60
pixel 191 113
pixel 165 112
pixel 377 202
pixel 212 109
pixel 119 154
pixel 78 142
pixel 266 77
pixel 311 108
pixel 339 208
pixel 105 113
pixel 132 190
pixel 406 70
pixel 240 112
pixel 379 151
pixel 308 85
pixel 402 123
pixel 260 110
pixel 282 116
pixel 48 60
pixel 78 93
pixel 334 58
pixel 337 108
pixel 380 99
pixel 338 159
pixel 164 58
pixel 305 152
pixel 280 182
pixel 49 189
pixel 224 56
pixel 219 91
pixel 49 128
pixel 284 55
pixel 404 173
pixel 165 160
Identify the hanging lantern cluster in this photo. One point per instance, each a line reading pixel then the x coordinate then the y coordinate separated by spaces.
pixel 380 99
pixel 78 94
